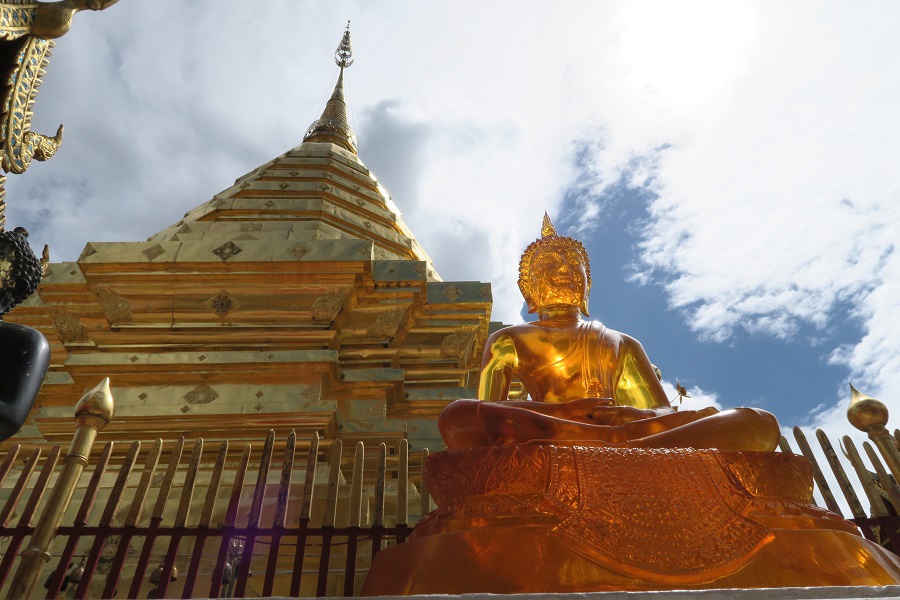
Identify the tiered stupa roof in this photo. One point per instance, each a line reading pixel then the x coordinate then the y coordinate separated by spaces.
pixel 295 299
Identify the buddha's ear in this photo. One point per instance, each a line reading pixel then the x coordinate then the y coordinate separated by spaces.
pixel 584 301
pixel 531 307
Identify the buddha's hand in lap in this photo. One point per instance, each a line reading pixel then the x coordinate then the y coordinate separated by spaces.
pixel 581 410
pixel 619 415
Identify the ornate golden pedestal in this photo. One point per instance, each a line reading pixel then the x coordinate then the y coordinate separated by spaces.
pixel 532 518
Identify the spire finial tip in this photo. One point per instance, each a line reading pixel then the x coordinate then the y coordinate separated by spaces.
pixel 343 56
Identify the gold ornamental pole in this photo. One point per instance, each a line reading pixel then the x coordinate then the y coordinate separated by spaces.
pixel 871 416
pixel 92 413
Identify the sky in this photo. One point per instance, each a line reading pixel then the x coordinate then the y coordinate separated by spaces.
pixel 733 168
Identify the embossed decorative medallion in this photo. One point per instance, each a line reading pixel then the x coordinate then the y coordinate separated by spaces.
pixel 227 250
pixel 452 293
pixel 153 252
pixel 222 304
pixel 202 394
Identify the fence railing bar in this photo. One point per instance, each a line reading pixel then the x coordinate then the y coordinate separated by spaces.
pixel 328 519
pixel 354 518
pixel 113 503
pixel 354 515
pixel 284 484
pixel 424 494
pixel 309 482
pixel 885 443
pixel 259 494
pixel 234 503
pixel 81 519
pixel 181 518
pixel 40 486
pixel 215 481
pixel 284 490
pixel 818 476
pixel 843 481
pixel 331 493
pixel 135 511
pixel 8 462
pixel 165 489
pixel 37 492
pixel 19 487
pixel 203 531
pixel 888 484
pixel 132 518
pixel 109 513
pixel 876 506
pixel 309 479
pixel 156 518
pixel 378 509
pixel 785 446
pixel 190 481
pixel 403 484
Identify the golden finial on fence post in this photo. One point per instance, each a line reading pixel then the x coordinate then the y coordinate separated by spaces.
pixel 871 416
pixel 92 413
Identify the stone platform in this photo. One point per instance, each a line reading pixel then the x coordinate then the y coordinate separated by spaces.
pixel 538 519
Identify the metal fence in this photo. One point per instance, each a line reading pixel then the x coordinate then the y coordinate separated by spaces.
pixel 226 527
pixel 881 523
pixel 228 523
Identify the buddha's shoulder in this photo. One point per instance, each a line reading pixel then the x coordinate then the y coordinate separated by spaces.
pixel 611 336
pixel 513 332
pixel 545 329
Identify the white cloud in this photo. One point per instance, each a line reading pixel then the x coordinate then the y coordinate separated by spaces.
pixel 777 192
pixel 774 154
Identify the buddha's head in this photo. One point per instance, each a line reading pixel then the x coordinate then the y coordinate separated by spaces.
pixel 555 271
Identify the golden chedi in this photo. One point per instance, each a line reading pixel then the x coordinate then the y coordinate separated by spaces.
pixel 597 484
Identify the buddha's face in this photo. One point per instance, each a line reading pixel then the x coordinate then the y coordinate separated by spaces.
pixel 559 278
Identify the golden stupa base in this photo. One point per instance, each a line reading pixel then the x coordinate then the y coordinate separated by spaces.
pixel 532 519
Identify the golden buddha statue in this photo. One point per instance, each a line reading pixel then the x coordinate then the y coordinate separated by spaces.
pixel 597 484
pixel 589 385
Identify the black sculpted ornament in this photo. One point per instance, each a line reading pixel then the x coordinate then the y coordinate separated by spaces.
pixel 24 351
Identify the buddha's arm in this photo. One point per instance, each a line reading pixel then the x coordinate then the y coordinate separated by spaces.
pixel 636 383
pixel 497 363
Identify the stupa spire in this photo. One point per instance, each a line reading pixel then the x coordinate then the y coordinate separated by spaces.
pixel 333 126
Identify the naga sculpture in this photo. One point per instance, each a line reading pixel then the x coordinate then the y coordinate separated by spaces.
pixel 27 31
